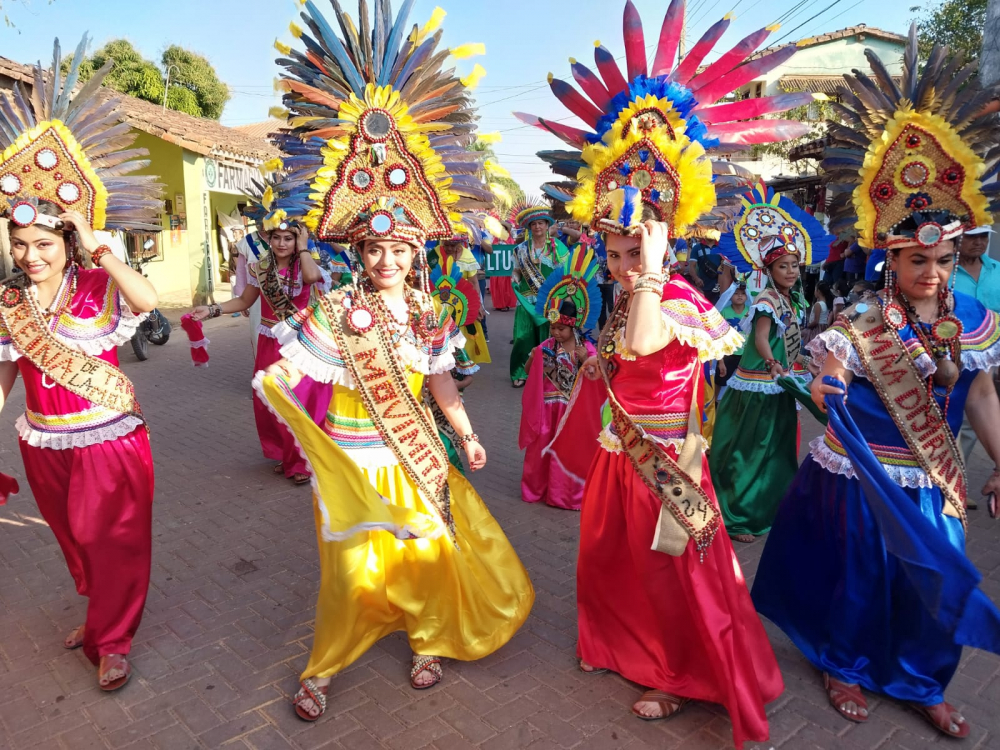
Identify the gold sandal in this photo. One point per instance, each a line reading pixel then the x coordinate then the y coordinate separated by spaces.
pixel 430 664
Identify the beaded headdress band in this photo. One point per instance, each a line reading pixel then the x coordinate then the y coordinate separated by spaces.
pixel 652 127
pixel 71 149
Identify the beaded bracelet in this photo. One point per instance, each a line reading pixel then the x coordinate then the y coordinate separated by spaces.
pixel 771 363
pixel 466 439
pixel 648 285
pixel 214 310
pixel 99 253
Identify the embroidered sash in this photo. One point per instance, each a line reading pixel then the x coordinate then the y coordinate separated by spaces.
pixel 687 511
pixel 792 333
pixel 272 288
pixel 904 392
pixel 86 376
pixel 401 420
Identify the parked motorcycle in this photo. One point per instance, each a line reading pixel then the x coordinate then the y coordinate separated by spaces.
pixel 155 328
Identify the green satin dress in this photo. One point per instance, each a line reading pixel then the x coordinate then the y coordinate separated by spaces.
pixel 754 453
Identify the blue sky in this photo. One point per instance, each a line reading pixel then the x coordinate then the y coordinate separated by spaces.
pixel 525 39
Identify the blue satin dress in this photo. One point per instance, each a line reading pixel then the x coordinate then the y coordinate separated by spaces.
pixel 826 576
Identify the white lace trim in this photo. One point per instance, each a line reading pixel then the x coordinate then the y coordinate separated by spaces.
pixel 981 360
pixel 412 358
pixel 266 331
pixel 200 344
pixel 64 441
pixel 306 362
pixel 746 325
pixel 905 476
pixel 610 442
pixel 834 342
pixel 771 388
pixel 128 324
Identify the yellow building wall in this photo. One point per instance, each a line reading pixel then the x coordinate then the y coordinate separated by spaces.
pixel 181 278
pixel 171 276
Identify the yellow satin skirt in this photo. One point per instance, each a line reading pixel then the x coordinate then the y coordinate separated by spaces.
pixel 476 346
pixel 461 602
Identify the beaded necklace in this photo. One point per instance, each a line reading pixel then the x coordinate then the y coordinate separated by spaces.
pixel 63 297
pixel 942 340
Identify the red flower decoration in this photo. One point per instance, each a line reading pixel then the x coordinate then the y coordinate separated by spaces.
pixel 952 175
pixel 884 191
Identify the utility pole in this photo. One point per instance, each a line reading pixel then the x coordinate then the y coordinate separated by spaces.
pixel 166 88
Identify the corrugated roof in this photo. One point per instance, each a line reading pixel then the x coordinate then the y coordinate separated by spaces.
pixel 830 85
pixel 198 134
pixel 261 129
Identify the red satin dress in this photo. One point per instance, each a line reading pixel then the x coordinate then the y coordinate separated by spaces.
pixel 276 442
pixel 681 624
pixel 91 470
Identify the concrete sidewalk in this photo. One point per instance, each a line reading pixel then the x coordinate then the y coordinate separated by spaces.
pixel 229 616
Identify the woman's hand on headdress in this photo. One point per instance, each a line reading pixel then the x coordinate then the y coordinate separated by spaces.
pixel 654 245
pixel 301 238
pixel 74 220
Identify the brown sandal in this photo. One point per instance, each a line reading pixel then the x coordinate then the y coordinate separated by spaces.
pixel 669 705
pixel 74 639
pixel 430 664
pixel 939 716
pixel 309 690
pixel 841 693
pixel 115 661
pixel 300 478
pixel 279 468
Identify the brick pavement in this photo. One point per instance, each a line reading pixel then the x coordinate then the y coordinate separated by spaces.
pixel 229 616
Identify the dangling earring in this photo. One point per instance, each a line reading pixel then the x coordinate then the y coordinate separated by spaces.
pixel 893 313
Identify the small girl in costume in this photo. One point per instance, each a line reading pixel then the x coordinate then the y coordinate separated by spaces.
pixel 556 398
pixel 83 438
pixel 754 453
pixel 284 280
pixel 733 313
pixel 457 301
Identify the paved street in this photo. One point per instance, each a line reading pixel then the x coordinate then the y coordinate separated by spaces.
pixel 229 616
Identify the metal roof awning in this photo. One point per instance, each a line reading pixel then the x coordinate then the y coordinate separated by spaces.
pixel 811 150
pixel 785 184
pixel 829 85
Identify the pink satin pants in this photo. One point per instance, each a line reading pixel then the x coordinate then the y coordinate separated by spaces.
pixel 98 501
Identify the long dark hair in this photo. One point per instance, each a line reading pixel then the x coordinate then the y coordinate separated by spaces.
pixel 823 290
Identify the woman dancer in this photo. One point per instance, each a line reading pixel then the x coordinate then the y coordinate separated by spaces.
pixel 660 596
pixel 405 543
pixel 82 437
pixel 556 400
pixel 534 260
pixel 754 451
pixel 865 567
pixel 285 280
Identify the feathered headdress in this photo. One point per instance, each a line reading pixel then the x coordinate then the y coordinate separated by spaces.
pixel 651 127
pixel 456 295
pixel 914 156
pixel 379 131
pixel 769 227
pixel 74 151
pixel 573 281
pixel 529 210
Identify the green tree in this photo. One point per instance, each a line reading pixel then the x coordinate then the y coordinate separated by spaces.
pixel 194 86
pixel 816 114
pixel 513 192
pixel 957 23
